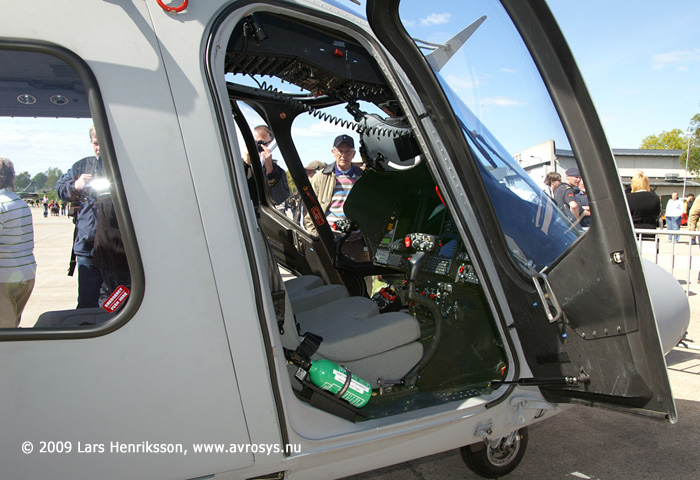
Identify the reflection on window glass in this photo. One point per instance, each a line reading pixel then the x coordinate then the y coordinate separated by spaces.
pixel 62 259
pixel 506 116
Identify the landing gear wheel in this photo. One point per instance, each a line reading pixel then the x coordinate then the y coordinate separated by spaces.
pixel 499 457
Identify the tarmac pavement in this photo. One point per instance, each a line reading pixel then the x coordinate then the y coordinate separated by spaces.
pixel 580 443
pixel 53 288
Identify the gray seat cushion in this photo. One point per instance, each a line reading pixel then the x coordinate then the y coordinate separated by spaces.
pixel 308 292
pixel 73 318
pixel 354 334
pixel 352 329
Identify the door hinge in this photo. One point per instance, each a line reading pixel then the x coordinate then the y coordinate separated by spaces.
pixel 484 429
pixel 518 405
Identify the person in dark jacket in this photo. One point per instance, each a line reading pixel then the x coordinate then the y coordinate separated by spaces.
pixel 109 252
pixel 584 205
pixel 76 186
pixel 692 225
pixel 274 174
pixel 565 195
pixel 644 205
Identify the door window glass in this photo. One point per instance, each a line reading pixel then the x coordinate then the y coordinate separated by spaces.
pixel 62 258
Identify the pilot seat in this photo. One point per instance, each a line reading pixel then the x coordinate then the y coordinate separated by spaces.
pixel 355 335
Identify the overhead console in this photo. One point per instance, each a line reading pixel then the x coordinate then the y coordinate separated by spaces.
pixel 319 61
pixel 333 69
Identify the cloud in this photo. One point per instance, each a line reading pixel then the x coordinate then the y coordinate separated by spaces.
pixel 319 130
pixel 36 144
pixel 461 83
pixel 314 139
pixel 435 19
pixel 678 59
pixel 501 101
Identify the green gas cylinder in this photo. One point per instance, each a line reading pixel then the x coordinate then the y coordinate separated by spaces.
pixel 332 377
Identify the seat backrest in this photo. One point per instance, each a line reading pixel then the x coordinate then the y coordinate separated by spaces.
pixel 308 292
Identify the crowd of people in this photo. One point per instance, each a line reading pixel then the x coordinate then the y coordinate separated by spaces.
pixel 99 256
pixel 646 209
pixel 53 207
pixel 644 204
pixel 570 196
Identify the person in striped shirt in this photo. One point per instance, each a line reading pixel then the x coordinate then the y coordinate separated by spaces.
pixel 332 186
pixel 17 264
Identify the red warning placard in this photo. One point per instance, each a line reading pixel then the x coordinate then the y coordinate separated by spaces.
pixel 116 299
pixel 318 217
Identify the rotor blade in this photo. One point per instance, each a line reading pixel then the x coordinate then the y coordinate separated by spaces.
pixel 441 55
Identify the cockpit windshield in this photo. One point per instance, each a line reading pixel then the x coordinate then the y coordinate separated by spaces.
pixel 535 229
pixel 490 79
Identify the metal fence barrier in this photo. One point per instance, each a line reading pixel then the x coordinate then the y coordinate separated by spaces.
pixel 675 257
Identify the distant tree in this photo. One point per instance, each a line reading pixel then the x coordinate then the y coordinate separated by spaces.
pixel 292 185
pixel 40 180
pixel 52 176
pixel 52 196
pixel 673 140
pixel 22 180
pixel 694 160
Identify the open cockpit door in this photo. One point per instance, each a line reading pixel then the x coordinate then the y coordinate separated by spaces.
pixel 576 296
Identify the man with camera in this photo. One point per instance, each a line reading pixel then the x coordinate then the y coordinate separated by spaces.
pixel 274 174
pixel 76 186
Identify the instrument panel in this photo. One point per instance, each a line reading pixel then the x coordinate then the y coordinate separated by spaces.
pixel 448 263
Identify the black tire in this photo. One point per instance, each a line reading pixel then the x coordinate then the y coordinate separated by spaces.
pixel 490 462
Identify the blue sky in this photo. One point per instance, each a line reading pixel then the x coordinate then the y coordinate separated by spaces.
pixel 640 61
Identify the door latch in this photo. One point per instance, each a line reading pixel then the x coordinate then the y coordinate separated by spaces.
pixel 549 301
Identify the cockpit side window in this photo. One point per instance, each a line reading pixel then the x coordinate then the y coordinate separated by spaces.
pixel 64 269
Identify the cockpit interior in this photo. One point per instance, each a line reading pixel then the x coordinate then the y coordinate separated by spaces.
pixel 421 268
